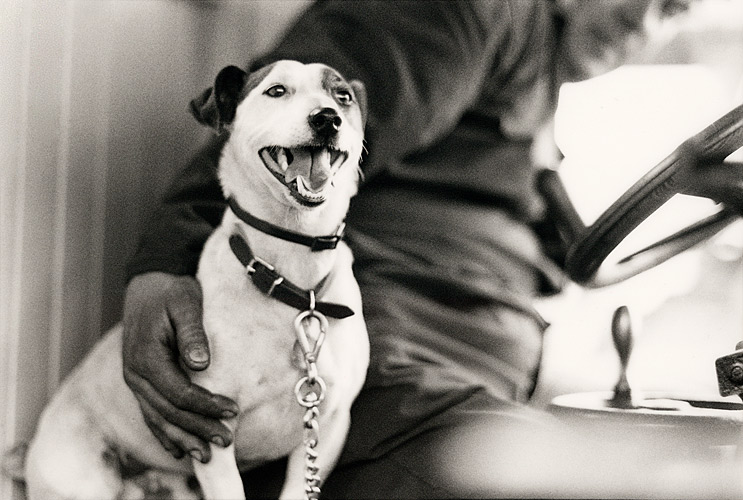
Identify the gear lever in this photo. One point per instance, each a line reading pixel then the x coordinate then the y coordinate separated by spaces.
pixel 621 333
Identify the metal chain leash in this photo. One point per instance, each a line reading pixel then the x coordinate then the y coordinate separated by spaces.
pixel 311 474
pixel 310 392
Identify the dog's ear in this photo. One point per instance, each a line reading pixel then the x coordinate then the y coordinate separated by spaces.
pixel 204 109
pixel 359 91
pixel 216 106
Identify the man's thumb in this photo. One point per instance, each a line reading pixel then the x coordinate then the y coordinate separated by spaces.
pixel 186 315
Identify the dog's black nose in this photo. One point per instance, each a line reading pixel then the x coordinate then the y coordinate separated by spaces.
pixel 325 121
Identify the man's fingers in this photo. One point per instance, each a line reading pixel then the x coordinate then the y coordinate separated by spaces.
pixel 174 439
pixel 152 420
pixel 163 312
pixel 183 394
pixel 204 428
pixel 158 365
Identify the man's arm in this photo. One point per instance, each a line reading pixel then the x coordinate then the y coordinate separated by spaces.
pixel 192 207
pixel 163 318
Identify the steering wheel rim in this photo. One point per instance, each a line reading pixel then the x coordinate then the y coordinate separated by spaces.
pixel 586 260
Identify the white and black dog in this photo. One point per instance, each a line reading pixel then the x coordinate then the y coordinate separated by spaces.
pixel 282 309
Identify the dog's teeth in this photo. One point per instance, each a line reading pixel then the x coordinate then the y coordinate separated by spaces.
pixel 267 155
pixel 337 159
pixel 306 193
pixel 281 159
pixel 302 188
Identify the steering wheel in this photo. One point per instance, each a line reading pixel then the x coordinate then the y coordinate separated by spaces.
pixel 695 168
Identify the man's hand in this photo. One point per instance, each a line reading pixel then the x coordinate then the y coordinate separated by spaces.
pixel 162 326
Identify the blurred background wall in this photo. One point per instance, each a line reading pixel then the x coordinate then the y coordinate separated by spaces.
pixel 93 124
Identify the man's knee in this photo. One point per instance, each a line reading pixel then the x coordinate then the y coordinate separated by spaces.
pixel 479 448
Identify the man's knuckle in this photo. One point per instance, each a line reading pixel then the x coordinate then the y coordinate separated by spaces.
pixel 183 398
pixel 132 379
pixel 153 422
pixel 192 335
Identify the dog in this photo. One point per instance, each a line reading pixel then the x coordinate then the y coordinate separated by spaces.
pixel 282 310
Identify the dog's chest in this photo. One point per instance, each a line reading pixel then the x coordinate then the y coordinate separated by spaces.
pixel 255 358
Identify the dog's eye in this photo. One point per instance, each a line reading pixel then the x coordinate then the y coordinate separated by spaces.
pixel 275 91
pixel 344 97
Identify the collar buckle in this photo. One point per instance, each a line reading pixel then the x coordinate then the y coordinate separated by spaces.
pixel 250 267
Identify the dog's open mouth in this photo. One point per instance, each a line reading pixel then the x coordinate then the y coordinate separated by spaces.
pixel 307 171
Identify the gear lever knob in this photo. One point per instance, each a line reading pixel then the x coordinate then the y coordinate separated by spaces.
pixel 621 333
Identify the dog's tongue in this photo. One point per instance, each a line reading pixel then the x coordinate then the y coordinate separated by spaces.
pixel 313 165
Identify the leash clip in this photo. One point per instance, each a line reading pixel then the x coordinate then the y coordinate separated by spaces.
pixel 310 389
pixel 310 350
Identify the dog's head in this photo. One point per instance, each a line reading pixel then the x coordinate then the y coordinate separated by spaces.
pixel 299 127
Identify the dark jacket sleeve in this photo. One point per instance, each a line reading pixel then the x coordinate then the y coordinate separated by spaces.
pixel 192 207
pixel 423 63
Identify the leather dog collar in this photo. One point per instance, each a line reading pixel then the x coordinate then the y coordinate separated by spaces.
pixel 316 243
pixel 270 282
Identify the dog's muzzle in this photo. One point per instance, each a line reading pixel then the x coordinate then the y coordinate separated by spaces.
pixel 307 171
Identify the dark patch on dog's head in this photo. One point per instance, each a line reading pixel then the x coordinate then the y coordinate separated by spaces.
pixel 216 106
pixel 331 79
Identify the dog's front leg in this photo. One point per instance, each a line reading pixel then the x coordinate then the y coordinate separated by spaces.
pixel 220 478
pixel 332 437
